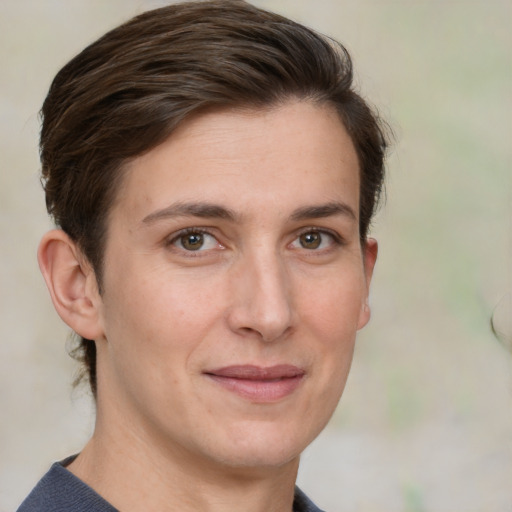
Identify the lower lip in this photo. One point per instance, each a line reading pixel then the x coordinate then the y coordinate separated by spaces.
pixel 260 391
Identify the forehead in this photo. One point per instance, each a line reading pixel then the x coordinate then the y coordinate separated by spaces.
pixel 292 154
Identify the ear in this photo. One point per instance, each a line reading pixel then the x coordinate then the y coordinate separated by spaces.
pixel 72 284
pixel 370 250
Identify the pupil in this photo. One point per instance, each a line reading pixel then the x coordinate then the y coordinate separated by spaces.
pixel 193 241
pixel 310 240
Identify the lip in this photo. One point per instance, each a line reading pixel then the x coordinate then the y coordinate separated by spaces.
pixel 259 384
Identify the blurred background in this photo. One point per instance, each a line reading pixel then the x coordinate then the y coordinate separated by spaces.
pixel 425 423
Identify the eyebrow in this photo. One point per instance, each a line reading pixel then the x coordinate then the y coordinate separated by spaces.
pixel 324 210
pixel 202 210
pixel 214 211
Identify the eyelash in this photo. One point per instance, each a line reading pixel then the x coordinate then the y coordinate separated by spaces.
pixel 189 231
pixel 336 237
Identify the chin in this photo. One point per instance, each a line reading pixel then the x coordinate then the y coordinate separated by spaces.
pixel 264 445
pixel 258 459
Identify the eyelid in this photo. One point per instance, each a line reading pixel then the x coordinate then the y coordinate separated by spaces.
pixel 339 239
pixel 333 243
pixel 174 237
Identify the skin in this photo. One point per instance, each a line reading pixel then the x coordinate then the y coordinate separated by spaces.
pixel 270 199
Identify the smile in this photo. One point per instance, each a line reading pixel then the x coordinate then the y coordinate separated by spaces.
pixel 259 384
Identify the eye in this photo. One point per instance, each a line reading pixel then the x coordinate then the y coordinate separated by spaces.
pixel 315 239
pixel 195 240
pixel 310 240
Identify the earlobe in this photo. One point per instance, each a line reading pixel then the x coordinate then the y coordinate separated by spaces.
pixel 71 283
pixel 370 251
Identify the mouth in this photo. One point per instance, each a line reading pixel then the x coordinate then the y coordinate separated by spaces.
pixel 258 384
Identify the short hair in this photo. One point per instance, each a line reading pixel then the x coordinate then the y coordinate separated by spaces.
pixel 125 93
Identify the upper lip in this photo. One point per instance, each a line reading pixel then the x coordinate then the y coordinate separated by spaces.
pixel 253 372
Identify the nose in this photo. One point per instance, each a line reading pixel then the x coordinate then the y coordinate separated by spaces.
pixel 261 298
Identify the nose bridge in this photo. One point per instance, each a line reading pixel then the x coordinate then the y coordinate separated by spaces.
pixel 262 297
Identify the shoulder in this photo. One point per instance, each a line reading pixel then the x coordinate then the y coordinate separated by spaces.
pixel 61 491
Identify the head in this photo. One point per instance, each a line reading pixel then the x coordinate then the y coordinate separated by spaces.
pixel 138 85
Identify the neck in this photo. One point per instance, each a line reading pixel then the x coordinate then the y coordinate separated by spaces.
pixel 135 473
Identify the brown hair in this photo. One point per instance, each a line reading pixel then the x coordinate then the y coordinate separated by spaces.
pixel 125 93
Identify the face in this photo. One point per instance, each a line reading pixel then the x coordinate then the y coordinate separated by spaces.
pixel 234 284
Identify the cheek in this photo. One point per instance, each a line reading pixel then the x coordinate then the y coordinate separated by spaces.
pixel 333 306
pixel 161 327
pixel 330 319
pixel 155 299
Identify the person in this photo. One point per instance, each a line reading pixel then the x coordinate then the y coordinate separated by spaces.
pixel 212 174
